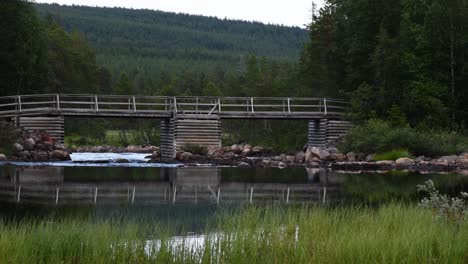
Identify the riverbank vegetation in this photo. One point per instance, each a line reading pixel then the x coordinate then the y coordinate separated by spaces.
pixel 378 136
pixel 392 233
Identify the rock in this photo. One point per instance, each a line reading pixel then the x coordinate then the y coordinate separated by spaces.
pixel 122 161
pixel 258 149
pixel 216 151
pixel 300 157
pixel 282 165
pixel 243 165
pixel 186 156
pixel 236 149
pixel 370 158
pixel 351 156
pixel 324 155
pixel 314 151
pixel 60 147
pixel 385 162
pixel 29 144
pixel 404 161
pixel 313 164
pixel 17 147
pixel 247 146
pixel 60 155
pixel 290 159
pixel 464 155
pixel 246 152
pixel 420 158
pixel 3 157
pixel 40 155
pixel 448 159
pixel 331 150
pixel 339 157
pixel 41 146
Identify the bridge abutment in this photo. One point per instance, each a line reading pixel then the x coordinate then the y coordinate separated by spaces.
pixel 200 130
pixel 321 131
pixel 53 125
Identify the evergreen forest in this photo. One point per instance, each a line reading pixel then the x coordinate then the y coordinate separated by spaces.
pixel 403 62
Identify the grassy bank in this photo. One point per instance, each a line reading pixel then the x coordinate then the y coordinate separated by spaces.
pixel 392 234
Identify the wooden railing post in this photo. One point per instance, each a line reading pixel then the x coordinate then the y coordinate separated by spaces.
pixel 175 104
pixel 19 103
pixel 325 105
pixel 134 104
pixel 252 103
pixel 219 105
pixel 57 98
pixel 96 103
pixel 289 105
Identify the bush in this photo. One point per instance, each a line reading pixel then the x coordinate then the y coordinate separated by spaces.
pixel 377 136
pixel 195 149
pixel 7 137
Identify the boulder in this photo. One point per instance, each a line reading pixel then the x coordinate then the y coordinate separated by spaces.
pixel 420 158
pixel 464 155
pixel 246 152
pixel 324 155
pixel 237 149
pixel 385 162
pixel 258 149
pixel 243 165
pixel 122 161
pixel 282 165
pixel 215 151
pixel 448 159
pixel 60 147
pixel 339 157
pixel 186 156
pixel 3 157
pixel 29 144
pixel 290 159
pixel 247 146
pixel 351 156
pixel 404 161
pixel 300 157
pixel 60 155
pixel 41 146
pixel 40 155
pixel 17 147
pixel 370 158
pixel 331 150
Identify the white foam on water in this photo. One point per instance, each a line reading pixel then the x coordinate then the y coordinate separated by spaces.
pixel 88 156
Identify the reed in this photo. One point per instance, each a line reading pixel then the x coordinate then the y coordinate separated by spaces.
pixel 393 233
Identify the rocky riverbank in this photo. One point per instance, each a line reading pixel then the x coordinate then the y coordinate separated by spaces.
pixel 312 157
pixel 36 146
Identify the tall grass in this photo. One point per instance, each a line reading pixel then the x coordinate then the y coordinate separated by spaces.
pixel 392 234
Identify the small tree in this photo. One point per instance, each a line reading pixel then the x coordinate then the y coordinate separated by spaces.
pixel 124 87
pixel 212 90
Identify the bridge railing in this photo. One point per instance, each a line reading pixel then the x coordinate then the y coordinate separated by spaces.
pixel 259 105
pixel 203 105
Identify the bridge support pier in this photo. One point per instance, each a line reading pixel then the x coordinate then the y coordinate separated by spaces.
pixel 322 131
pixel 200 130
pixel 53 125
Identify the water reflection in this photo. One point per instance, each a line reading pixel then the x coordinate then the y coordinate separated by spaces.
pixel 126 186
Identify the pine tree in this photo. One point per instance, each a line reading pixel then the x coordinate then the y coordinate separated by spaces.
pixel 124 86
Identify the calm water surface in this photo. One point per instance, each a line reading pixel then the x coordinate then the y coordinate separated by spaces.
pixel 192 195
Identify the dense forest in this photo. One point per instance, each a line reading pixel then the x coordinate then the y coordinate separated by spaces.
pixel 156 49
pixel 401 62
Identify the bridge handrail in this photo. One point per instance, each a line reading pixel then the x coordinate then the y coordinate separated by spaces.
pixel 15 105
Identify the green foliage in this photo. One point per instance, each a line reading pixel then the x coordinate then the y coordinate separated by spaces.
pixel 396 118
pixel 124 87
pixel 195 149
pixel 7 137
pixel 378 136
pixel 392 155
pixel 451 209
pixel 212 90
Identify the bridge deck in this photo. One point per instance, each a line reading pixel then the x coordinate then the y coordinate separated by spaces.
pixel 166 107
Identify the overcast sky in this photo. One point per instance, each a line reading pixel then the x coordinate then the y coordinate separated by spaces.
pixel 286 12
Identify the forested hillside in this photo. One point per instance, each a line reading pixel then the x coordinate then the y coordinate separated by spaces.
pixel 153 47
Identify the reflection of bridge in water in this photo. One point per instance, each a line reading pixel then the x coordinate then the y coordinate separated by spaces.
pixel 179 186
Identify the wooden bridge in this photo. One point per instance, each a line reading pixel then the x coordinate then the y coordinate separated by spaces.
pixel 184 120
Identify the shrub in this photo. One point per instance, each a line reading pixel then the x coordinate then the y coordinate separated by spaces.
pixel 377 136
pixel 7 137
pixel 392 155
pixel 195 149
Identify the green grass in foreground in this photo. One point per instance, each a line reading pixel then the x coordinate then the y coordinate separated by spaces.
pixel 392 234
